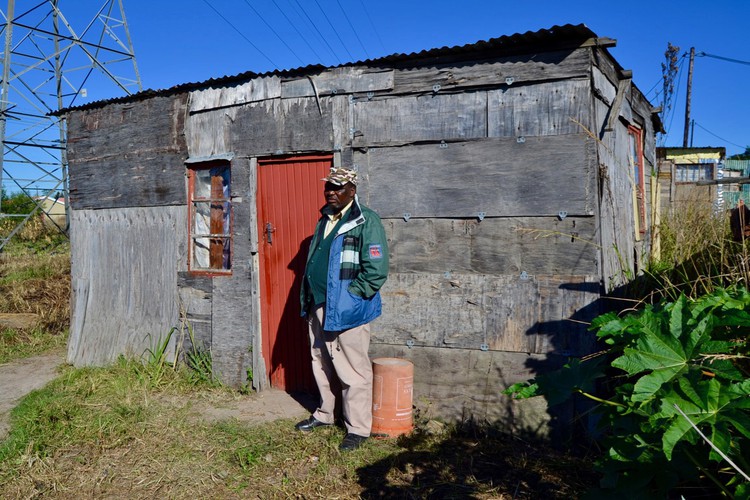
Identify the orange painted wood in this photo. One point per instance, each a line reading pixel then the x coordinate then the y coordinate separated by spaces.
pixel 290 195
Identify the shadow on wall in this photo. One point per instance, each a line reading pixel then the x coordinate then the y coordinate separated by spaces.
pixel 572 420
pixel 569 338
pixel 291 349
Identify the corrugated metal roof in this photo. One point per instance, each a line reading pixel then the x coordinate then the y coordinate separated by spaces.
pixel 555 38
pixel 739 165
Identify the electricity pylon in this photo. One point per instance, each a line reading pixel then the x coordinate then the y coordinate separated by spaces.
pixel 51 62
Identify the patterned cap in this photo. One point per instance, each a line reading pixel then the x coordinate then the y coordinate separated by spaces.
pixel 341 176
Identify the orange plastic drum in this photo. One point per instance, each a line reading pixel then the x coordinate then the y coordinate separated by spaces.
pixel 393 379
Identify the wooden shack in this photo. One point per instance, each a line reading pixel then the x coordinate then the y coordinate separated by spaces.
pixel 512 176
pixel 685 175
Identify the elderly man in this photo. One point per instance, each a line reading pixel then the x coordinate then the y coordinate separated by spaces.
pixel 346 265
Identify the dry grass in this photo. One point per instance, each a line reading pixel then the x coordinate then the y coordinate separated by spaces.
pixel 38 284
pixel 135 431
pixel 104 434
pixel 698 254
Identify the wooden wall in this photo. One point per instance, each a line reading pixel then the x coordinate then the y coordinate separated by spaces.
pixel 128 154
pixel 618 104
pixel 488 176
pixel 124 265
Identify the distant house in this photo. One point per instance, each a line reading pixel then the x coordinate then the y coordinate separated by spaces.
pixel 510 174
pixel 735 192
pixel 681 172
pixel 53 210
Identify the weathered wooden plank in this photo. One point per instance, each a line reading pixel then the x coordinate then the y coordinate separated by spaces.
pixel 260 373
pixel 567 305
pixel 495 312
pixel 418 118
pixel 253 90
pixel 195 293
pixel 617 216
pixel 207 134
pixel 466 384
pixel 244 229
pixel 547 108
pixel 341 120
pixel 623 87
pixel 128 155
pixel 536 245
pixel 282 126
pixel 606 90
pixel 233 326
pixel 129 258
pixel 499 177
pixel 522 68
pixel 347 80
pixel 258 362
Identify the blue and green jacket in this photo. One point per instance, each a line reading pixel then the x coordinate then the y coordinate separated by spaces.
pixel 357 268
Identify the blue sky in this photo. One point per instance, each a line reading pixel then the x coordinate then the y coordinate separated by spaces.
pixel 194 40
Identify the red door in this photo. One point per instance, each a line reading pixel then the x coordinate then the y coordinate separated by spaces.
pixel 290 194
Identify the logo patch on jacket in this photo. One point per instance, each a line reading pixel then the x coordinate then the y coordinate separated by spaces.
pixel 376 252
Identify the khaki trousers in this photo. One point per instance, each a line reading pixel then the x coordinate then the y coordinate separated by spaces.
pixel 342 355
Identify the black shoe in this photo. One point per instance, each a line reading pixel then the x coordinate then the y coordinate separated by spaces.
pixel 352 442
pixel 309 424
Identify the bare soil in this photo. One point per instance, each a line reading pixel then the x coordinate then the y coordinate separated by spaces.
pixel 20 377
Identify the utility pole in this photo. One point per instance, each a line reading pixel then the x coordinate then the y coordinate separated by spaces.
pixel 689 94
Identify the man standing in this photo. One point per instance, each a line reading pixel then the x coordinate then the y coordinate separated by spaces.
pixel 346 265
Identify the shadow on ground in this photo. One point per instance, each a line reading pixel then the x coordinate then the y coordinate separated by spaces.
pixel 471 463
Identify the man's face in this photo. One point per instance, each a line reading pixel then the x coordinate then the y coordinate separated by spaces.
pixel 337 197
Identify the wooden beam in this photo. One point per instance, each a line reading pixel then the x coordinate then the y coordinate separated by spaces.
pixel 600 42
pixel 730 180
pixel 614 111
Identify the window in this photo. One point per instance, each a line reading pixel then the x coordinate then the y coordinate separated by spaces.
pixel 635 140
pixel 210 217
pixel 691 172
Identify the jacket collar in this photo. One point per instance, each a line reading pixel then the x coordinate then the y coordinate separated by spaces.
pixel 354 217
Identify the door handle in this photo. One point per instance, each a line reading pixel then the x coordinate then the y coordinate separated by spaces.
pixel 269 231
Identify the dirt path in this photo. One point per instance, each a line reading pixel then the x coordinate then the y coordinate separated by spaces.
pixel 23 376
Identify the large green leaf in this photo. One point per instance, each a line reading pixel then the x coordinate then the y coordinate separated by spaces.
pixel 678 317
pixel 704 411
pixel 663 355
pixel 705 403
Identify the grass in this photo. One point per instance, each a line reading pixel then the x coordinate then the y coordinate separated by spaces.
pixel 113 432
pixel 34 282
pixel 136 429
pixel 16 344
pixel 698 254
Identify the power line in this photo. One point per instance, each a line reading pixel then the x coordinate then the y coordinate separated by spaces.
pixel 241 34
pixel 653 87
pixel 274 32
pixel 720 138
pixel 335 31
pixel 367 14
pixel 315 27
pixel 304 39
pixel 703 54
pixel 352 27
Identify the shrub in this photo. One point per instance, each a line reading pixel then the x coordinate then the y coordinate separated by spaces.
pixel 675 413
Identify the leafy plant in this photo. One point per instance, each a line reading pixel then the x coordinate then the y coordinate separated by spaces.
pixel 677 407
pixel 198 359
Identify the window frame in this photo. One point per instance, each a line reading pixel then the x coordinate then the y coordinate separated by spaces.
pixel 227 233
pixel 698 167
pixel 635 138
